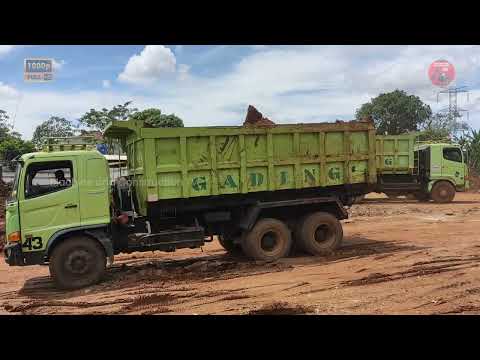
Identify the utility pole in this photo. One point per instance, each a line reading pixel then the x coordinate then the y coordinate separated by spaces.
pixel 454 112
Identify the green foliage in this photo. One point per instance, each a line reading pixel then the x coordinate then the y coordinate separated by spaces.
pixel 11 143
pixel 53 127
pixel 443 126
pixel 4 128
pixel 14 146
pixel 471 143
pixel 99 119
pixel 395 113
pixel 155 118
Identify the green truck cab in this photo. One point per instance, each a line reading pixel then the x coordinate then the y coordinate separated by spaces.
pixel 259 190
pixel 427 170
pixel 55 193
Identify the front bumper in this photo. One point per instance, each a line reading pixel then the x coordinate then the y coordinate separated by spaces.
pixel 13 254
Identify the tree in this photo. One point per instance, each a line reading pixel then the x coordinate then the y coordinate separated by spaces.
pixel 53 127
pixel 443 126
pixel 395 112
pixel 471 143
pixel 4 128
pixel 99 119
pixel 11 143
pixel 14 146
pixel 155 118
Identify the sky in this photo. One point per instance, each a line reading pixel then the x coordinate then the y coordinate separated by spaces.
pixel 213 85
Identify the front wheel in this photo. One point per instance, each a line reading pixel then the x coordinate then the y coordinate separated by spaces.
pixel 77 262
pixel 443 192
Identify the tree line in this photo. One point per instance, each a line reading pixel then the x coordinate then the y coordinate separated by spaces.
pixel 397 113
pixel 93 121
pixel 393 113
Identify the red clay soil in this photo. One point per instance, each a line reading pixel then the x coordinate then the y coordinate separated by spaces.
pixel 398 257
pixel 255 118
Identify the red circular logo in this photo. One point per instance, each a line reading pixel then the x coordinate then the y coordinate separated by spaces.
pixel 441 73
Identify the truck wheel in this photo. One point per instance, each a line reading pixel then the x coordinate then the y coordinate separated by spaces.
pixel 319 233
pixel 228 244
pixel 443 192
pixel 77 262
pixel 269 240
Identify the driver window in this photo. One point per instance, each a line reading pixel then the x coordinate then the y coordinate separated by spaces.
pixel 47 177
pixel 452 154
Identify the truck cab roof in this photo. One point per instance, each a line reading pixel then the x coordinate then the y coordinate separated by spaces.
pixel 53 154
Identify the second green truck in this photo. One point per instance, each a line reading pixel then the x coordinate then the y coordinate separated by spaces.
pixel 425 170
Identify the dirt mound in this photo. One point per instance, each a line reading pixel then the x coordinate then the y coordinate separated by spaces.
pixel 281 308
pixel 255 118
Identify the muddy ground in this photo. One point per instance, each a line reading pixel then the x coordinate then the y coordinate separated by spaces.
pixel 398 257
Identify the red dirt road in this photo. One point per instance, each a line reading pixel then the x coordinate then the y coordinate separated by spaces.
pixel 398 257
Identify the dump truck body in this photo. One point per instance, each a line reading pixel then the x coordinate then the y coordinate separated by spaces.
pixel 184 163
pixel 395 154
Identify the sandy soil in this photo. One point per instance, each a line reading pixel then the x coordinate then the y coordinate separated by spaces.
pixel 398 257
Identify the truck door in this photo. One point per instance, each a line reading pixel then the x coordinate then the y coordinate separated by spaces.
pixel 49 201
pixel 453 167
pixel 94 193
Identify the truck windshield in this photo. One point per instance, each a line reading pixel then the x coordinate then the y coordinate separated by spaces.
pixel 13 194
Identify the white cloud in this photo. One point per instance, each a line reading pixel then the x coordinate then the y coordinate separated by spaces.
pixel 58 65
pixel 5 49
pixel 153 63
pixel 7 92
pixel 287 84
pixel 183 70
pixel 106 84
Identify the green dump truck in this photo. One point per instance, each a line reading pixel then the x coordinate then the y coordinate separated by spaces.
pixel 259 189
pixel 425 170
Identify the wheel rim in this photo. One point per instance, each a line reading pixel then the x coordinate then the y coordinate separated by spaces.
pixel 323 234
pixel 269 241
pixel 78 262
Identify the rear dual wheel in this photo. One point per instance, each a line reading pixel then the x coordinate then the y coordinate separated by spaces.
pixel 319 233
pixel 269 240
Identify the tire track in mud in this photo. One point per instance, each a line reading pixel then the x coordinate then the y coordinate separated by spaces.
pixel 419 269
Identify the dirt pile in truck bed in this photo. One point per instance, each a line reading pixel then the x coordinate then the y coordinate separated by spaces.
pixel 255 118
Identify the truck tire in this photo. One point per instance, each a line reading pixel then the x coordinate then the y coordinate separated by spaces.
pixel 269 240
pixel 443 192
pixel 229 246
pixel 319 233
pixel 77 262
